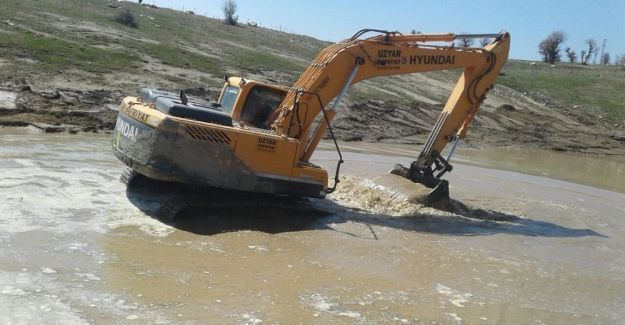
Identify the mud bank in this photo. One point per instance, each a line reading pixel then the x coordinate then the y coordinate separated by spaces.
pixel 527 125
pixel 80 248
pixel 54 110
pixel 498 124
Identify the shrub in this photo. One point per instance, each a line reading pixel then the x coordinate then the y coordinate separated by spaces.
pixel 127 18
pixel 230 9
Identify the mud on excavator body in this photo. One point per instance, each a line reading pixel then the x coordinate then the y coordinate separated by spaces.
pixel 260 137
pixel 207 150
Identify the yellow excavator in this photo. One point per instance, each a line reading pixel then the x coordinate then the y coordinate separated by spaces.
pixel 260 137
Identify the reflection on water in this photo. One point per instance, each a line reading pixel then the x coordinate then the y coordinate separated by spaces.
pixel 597 171
pixel 606 172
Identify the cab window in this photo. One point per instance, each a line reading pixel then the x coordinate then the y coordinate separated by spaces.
pixel 228 99
pixel 260 103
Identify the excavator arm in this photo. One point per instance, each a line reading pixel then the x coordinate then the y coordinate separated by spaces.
pixel 390 53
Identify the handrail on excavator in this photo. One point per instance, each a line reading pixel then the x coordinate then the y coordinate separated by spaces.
pixel 448 37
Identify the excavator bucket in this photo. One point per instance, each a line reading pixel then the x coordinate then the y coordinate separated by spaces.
pixel 434 195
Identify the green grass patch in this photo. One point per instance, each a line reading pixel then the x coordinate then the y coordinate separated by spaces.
pixel 177 57
pixel 575 85
pixel 53 53
pixel 256 60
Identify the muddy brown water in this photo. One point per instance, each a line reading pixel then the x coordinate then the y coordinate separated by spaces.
pixel 77 247
pixel 606 172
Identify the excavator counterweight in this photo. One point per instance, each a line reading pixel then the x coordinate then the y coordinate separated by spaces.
pixel 260 137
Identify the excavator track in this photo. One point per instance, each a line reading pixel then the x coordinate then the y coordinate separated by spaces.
pixel 175 200
pixel 131 177
pixel 216 203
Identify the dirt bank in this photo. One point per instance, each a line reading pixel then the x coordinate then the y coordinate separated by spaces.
pixel 54 109
pixel 66 109
pixel 506 119
pixel 58 109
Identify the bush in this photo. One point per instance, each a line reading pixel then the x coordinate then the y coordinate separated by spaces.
pixel 127 18
pixel 230 9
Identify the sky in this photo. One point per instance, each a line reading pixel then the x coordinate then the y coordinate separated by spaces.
pixel 528 21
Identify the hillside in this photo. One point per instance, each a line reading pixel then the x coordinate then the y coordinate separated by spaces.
pixel 67 64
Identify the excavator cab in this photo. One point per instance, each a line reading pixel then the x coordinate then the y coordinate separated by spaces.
pixel 260 104
pixel 250 102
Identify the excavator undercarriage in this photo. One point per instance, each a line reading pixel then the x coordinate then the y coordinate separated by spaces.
pixel 259 138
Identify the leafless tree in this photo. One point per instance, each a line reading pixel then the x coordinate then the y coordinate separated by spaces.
pixel 592 48
pixel 484 42
pixel 550 46
pixel 465 42
pixel 605 59
pixel 620 60
pixel 230 12
pixel 571 55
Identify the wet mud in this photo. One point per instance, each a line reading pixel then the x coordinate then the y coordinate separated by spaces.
pixel 79 247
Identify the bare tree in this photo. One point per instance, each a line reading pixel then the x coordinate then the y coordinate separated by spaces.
pixel 621 60
pixel 592 48
pixel 550 46
pixel 230 12
pixel 605 59
pixel 571 55
pixel 465 42
pixel 484 42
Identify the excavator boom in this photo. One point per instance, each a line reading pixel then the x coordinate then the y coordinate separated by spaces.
pixel 353 60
